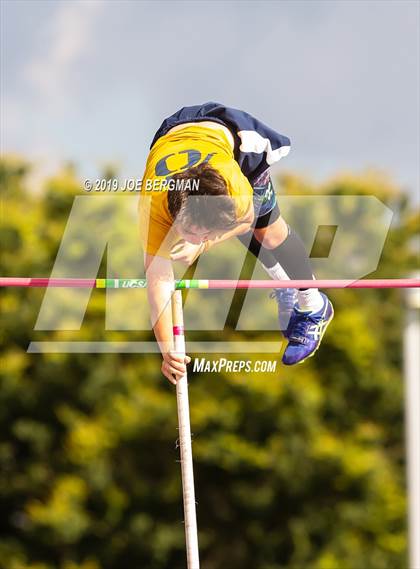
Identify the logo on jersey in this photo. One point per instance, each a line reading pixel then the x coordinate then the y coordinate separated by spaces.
pixel 193 158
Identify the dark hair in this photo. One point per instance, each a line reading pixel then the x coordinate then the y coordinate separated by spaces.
pixel 205 203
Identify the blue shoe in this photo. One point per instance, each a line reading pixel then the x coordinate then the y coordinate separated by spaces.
pixel 305 332
pixel 286 299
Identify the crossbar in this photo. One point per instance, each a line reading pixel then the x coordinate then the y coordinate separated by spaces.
pixel 209 284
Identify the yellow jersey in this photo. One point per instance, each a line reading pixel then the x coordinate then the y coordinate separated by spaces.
pixel 175 152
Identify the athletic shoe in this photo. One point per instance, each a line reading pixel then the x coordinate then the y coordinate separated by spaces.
pixel 286 299
pixel 305 332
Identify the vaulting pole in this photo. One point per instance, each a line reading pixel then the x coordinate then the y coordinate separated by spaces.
pixel 188 491
pixel 412 421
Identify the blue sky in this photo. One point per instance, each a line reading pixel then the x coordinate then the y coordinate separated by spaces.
pixel 90 81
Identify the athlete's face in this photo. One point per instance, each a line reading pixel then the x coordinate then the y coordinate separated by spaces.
pixel 197 235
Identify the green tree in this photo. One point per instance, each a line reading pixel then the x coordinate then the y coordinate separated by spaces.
pixel 304 469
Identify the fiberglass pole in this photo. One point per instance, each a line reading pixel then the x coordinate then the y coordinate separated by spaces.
pixel 412 420
pixel 188 491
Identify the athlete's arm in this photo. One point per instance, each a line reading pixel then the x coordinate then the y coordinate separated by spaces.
pixel 160 277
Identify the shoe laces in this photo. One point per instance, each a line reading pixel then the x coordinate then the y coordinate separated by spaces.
pixel 286 297
pixel 300 328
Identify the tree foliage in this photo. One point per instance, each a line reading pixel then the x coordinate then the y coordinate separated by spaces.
pixel 303 469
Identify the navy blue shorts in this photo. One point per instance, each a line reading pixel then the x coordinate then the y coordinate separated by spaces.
pixel 265 202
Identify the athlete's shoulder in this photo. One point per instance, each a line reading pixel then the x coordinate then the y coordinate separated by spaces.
pixel 256 145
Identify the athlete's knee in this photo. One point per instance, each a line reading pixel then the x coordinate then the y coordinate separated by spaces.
pixel 273 235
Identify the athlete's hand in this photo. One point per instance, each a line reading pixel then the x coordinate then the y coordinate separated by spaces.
pixel 187 252
pixel 174 365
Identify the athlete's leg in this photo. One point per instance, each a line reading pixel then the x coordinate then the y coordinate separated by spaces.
pixel 284 245
pixel 286 297
pixel 287 248
pixel 280 248
pixel 267 212
pixel 272 234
